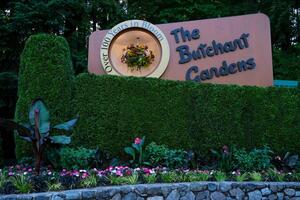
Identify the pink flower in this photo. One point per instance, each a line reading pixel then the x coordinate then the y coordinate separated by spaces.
pixel 137 141
pixel 84 175
pixel 10 174
pixel 119 173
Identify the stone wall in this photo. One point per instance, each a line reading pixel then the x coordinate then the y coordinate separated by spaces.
pixel 177 191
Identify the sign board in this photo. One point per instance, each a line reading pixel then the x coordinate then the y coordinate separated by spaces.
pixel 230 50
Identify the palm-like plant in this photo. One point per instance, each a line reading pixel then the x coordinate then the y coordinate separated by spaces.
pixel 37 130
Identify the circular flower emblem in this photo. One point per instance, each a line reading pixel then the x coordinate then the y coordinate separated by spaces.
pixel 137 56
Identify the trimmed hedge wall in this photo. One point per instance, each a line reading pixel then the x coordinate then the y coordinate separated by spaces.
pixel 45 71
pixel 114 110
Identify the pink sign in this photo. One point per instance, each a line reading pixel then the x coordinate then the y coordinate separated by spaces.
pixel 230 50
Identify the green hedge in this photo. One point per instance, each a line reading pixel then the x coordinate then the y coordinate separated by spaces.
pixel 114 110
pixel 46 72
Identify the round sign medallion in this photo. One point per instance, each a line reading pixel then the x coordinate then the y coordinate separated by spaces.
pixel 135 48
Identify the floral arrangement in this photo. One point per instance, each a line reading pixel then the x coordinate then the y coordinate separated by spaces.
pixel 137 56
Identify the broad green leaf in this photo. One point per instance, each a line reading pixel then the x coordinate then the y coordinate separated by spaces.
pixel 61 139
pixel 44 121
pixel 136 146
pixel 67 126
pixel 130 151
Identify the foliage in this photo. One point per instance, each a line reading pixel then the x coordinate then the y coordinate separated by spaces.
pixel 220 176
pixel 37 130
pixel 136 152
pixel 169 177
pixel 198 176
pixel 150 178
pixel 161 155
pixel 122 180
pixel 22 184
pixel 275 175
pixel 8 98
pixel 90 181
pixel 40 51
pixel 255 160
pixel 54 186
pixel 255 176
pixel 288 162
pixel 127 107
pixel 286 63
pixel 240 177
pixel 75 158
pixel 224 158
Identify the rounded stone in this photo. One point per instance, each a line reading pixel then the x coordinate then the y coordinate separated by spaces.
pixel 290 192
pixel 202 195
pixel 266 191
pixel 224 187
pixel 217 196
pixel 272 197
pixel 212 187
pixel 129 196
pixel 189 196
pixel 174 195
pixel 255 195
pixel 197 187
pixel 237 193
pixel 280 196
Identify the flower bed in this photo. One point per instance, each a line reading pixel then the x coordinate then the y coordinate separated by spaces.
pixel 175 191
pixel 22 179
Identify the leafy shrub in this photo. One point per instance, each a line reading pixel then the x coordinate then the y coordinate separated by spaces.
pixel 150 178
pixel 169 177
pixel 54 186
pixel 198 176
pixel 287 163
pixel 224 160
pixel 90 181
pixel 255 176
pixel 37 130
pixel 122 180
pixel 185 115
pixel 22 184
pixel 255 160
pixel 240 177
pixel 274 175
pixel 161 155
pixel 220 176
pixel 45 72
pixel 76 158
pixel 136 152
